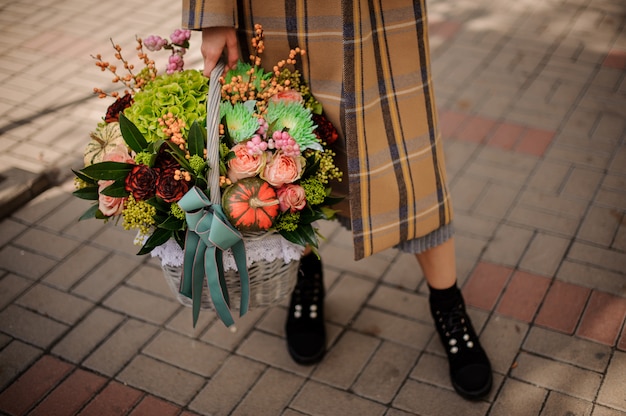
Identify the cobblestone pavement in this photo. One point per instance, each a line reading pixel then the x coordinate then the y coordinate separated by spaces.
pixel 532 98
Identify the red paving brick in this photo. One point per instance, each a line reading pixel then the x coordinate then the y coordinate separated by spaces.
pixel 449 122
pixel 534 142
pixel 475 129
pixel 506 135
pixel 603 318
pixel 485 284
pixel 616 58
pixel 151 406
pixel 523 296
pixel 70 395
pixel 563 306
pixel 622 341
pixel 115 399
pixel 444 29
pixel 35 383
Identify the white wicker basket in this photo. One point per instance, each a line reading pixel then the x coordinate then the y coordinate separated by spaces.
pixel 270 281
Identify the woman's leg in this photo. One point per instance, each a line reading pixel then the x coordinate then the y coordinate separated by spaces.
pixel 470 370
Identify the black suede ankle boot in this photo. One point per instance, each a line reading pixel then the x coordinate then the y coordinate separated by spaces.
pixel 470 370
pixel 305 330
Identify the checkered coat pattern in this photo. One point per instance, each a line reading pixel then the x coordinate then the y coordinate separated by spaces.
pixel 368 63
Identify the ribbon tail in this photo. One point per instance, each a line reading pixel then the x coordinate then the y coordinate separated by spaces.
pixel 239 253
pixel 191 240
pixel 214 283
pixel 197 281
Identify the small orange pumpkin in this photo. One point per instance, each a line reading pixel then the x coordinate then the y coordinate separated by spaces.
pixel 251 204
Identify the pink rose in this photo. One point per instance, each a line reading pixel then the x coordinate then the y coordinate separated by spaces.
pixel 118 154
pixel 244 165
pixel 291 197
pixel 281 169
pixel 108 205
pixel 288 96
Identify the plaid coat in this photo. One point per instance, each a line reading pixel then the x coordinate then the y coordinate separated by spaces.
pixel 368 63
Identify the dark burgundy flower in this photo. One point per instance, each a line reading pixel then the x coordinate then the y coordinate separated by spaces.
pixel 165 159
pixel 325 130
pixel 169 188
pixel 141 182
pixel 114 110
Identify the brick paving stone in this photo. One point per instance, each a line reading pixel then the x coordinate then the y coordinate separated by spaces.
pixel 340 257
pixel 11 286
pixel 535 142
pixel 605 411
pixel 116 238
pixel 484 286
pixel 611 260
pixel 426 400
pixel 343 363
pixel 603 318
pixel 403 272
pixel 393 328
pixel 182 323
pixel 523 295
pixel 14 359
pixel 549 176
pixel 472 225
pixel 557 376
pixel 105 277
pixel 612 393
pixel 344 300
pixel 150 406
pixel 336 402
pixel 476 129
pixel 225 338
pixel 401 302
pixel 470 247
pixel 518 399
pixel 119 348
pixel 508 245
pixel 115 399
pixel 9 229
pixel 75 267
pixel 41 205
pixel 31 386
pixel 150 279
pixel 81 340
pixel 30 327
pixel 538 219
pixel 70 395
pixel 560 404
pixel 46 243
pixel 432 369
pixel 560 347
pixel 271 350
pixel 141 305
pixel 188 354
pixel 563 307
pixel 496 201
pixel 621 344
pixel 270 394
pixel 385 373
pixel 466 191
pixel 54 303
pixel 506 135
pixel 161 379
pixel 599 226
pixel 24 263
pixel 501 339
pixel 604 280
pixel 544 254
pixel 228 386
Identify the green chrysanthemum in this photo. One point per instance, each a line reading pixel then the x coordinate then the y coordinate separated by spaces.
pixel 181 93
pixel 197 164
pixel 294 118
pixel 238 121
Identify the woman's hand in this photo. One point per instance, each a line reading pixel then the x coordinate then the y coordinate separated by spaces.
pixel 216 40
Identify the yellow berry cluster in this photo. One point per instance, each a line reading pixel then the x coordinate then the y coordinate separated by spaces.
pixel 138 215
pixel 182 175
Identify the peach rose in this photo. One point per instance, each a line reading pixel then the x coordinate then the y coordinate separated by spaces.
pixel 291 197
pixel 244 165
pixel 288 96
pixel 108 205
pixel 281 169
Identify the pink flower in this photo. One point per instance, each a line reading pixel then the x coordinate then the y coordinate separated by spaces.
pixel 118 154
pixel 175 63
pixel 282 169
pixel 108 205
pixel 154 43
pixel 287 96
pixel 291 197
pixel 244 165
pixel 179 36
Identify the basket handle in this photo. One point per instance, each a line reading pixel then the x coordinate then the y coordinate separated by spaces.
pixel 213 135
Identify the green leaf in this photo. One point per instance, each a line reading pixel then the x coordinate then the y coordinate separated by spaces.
pixel 90 213
pixel 89 193
pixel 132 136
pixel 83 177
pixel 303 235
pixel 159 204
pixel 116 190
pixel 172 223
pixel 158 237
pixel 196 140
pixel 108 170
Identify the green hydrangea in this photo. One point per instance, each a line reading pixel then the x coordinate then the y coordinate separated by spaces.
pixel 294 118
pixel 197 163
pixel 177 211
pixel 181 93
pixel 143 158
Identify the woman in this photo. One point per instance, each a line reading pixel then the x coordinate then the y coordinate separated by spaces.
pixel 368 63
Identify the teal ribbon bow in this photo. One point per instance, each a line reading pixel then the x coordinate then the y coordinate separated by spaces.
pixel 209 234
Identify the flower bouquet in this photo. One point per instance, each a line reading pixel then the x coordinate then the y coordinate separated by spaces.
pixel 216 209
